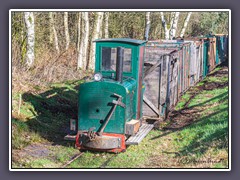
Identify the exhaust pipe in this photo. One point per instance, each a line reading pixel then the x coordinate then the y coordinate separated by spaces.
pixel 119 64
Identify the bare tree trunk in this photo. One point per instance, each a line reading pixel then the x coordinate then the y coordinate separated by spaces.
pixel 79 32
pixel 164 24
pixel 147 25
pixel 66 29
pixel 106 24
pixel 29 20
pixel 86 20
pixel 170 30
pixel 171 19
pixel 81 58
pixel 185 24
pixel 54 32
pixel 83 49
pixel 96 34
pixel 100 15
pixel 174 25
pixel 50 29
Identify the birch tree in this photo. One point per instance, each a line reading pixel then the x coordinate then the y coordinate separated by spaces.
pixel 185 24
pixel 79 31
pixel 82 58
pixel 29 20
pixel 147 25
pixel 100 34
pixel 66 29
pixel 164 24
pixel 95 35
pixel 106 24
pixel 171 27
pixel 174 25
pixel 54 32
pixel 50 28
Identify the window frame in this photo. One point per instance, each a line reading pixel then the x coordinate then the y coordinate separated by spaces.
pixel 108 45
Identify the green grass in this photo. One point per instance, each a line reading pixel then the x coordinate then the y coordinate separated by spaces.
pixel 209 97
pixel 43 115
pixel 183 101
pixel 62 154
pixel 217 79
pixel 210 132
pixel 204 143
pixel 22 135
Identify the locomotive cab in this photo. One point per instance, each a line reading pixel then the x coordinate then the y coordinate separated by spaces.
pixel 110 105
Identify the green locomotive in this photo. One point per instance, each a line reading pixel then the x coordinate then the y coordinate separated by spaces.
pixel 110 105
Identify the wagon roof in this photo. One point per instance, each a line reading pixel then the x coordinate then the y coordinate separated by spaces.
pixel 123 40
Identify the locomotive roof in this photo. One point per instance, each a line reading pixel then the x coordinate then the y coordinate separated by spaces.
pixel 123 40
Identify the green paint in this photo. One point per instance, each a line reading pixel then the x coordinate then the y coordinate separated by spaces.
pixel 95 97
pixel 95 103
pixel 220 50
pixel 205 58
pixel 217 50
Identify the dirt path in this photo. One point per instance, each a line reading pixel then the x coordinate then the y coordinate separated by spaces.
pixel 187 115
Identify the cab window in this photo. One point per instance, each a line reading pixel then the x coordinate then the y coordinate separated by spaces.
pixel 127 61
pixel 109 59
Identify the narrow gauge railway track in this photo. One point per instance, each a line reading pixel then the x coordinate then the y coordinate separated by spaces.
pixel 108 160
pixel 75 157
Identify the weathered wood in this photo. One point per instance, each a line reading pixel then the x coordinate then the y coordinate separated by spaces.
pixel 132 127
pixel 137 138
pixel 151 105
pixel 148 71
pixel 154 79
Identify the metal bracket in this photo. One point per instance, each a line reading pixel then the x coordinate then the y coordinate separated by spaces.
pixel 119 103
pixel 90 134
